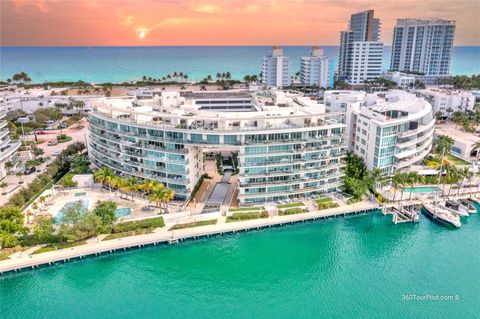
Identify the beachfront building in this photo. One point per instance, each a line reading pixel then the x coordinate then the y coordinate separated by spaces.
pixel 315 69
pixel 389 130
pixel 8 148
pixel 277 69
pixel 423 46
pixel 287 145
pixel 446 101
pixel 361 52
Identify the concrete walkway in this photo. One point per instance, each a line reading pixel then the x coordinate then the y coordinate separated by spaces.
pixel 165 235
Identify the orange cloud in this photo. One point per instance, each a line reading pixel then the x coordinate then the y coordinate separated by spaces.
pixel 214 22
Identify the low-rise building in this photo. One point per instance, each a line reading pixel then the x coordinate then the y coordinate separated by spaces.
pixel 403 80
pixel 447 101
pixel 463 141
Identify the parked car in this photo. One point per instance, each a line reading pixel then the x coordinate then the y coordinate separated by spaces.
pixel 52 143
pixel 29 170
pixel 56 153
pixel 41 132
pixel 48 122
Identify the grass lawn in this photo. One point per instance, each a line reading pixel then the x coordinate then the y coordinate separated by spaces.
pixel 64 140
pixel 456 160
pixel 194 224
pixel 247 216
pixel 290 205
pixel 246 209
pixel 51 247
pixel 325 203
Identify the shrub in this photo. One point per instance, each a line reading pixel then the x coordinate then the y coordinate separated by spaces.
pixel 291 211
pixel 134 225
pixel 194 224
pixel 246 216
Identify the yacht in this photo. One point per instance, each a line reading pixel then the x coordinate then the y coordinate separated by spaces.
pixel 465 204
pixel 454 207
pixel 441 216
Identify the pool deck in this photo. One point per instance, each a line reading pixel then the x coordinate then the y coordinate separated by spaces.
pixel 96 247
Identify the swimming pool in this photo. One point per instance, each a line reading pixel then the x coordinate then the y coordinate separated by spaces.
pixel 422 189
pixel 85 203
pixel 122 212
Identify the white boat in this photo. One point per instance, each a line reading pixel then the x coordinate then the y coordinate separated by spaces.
pixel 465 204
pixel 441 216
pixel 454 207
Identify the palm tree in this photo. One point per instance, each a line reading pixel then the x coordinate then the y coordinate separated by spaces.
pixel 103 175
pixel 167 197
pixel 157 195
pixel 122 186
pixel 132 185
pixel 451 175
pixel 396 180
pixel 413 179
pixel 463 174
pixel 209 77
pixel 444 144
pixel 3 185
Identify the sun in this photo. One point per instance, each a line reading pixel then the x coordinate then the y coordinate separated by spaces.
pixel 141 34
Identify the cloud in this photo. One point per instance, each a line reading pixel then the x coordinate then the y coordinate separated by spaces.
pixel 207 8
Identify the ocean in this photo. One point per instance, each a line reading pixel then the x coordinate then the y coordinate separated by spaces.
pixel 348 267
pixel 118 64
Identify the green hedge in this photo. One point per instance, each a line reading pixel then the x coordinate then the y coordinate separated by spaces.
pixel 291 211
pixel 140 231
pixel 246 216
pixel 134 225
pixel 194 224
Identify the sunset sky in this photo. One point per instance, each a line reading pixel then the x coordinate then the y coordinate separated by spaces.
pixel 176 22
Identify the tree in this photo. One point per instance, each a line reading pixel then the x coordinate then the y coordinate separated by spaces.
pixel 3 185
pixel 103 175
pixel 36 151
pixel 132 185
pixel 79 164
pixel 11 224
pixel 458 117
pixel 463 174
pixel 106 211
pixel 157 195
pixel 444 144
pixel 43 228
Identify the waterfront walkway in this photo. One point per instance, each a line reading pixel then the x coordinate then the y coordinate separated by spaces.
pixel 164 235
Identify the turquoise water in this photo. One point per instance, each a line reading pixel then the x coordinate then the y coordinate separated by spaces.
pixel 354 267
pixel 117 64
pixel 421 189
pixel 122 212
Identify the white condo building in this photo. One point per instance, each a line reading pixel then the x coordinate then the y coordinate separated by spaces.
pixel 423 45
pixel 446 101
pixel 361 52
pixel 315 69
pixel 8 149
pixel 277 69
pixel 287 145
pixel 389 130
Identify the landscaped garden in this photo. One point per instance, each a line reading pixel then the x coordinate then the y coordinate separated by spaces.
pixel 325 203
